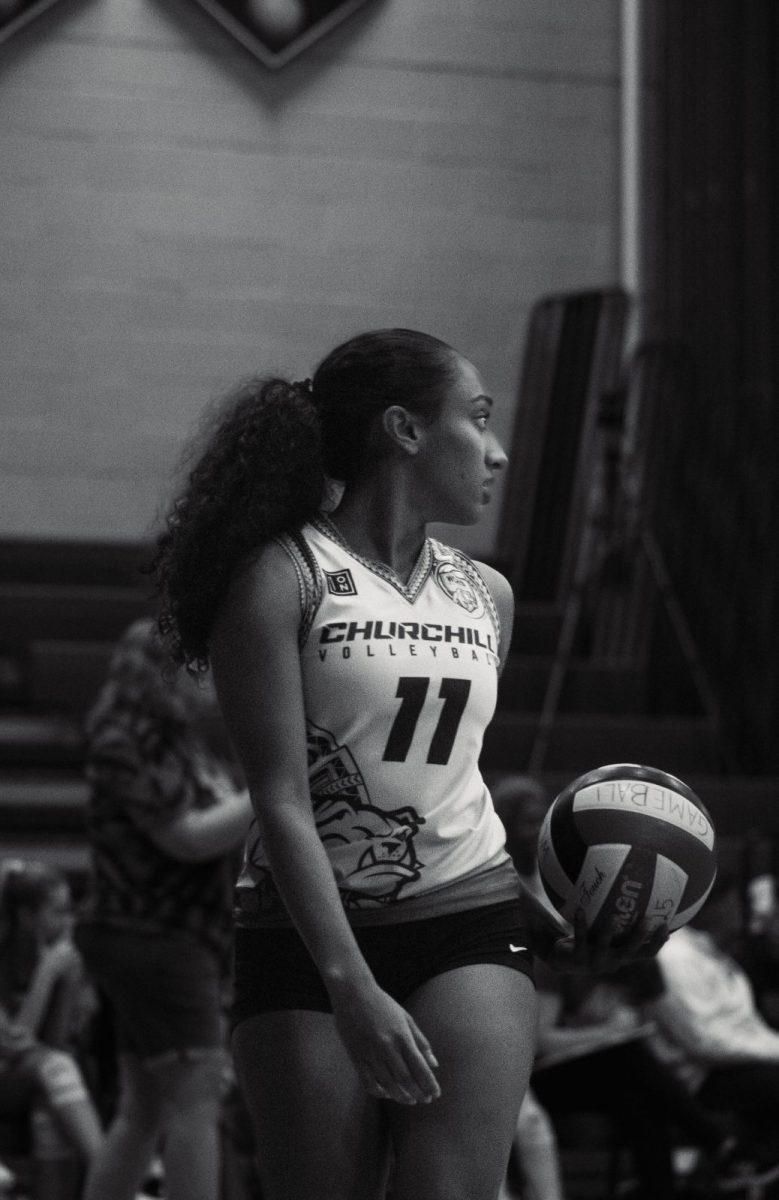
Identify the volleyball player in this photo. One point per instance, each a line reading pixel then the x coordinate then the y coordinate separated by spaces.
pixel 383 983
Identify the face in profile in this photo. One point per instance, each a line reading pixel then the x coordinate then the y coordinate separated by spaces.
pixel 460 457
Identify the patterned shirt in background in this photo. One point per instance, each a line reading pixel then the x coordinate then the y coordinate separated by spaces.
pixel 143 773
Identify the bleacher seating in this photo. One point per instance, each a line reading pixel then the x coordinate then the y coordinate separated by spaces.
pixel 62 604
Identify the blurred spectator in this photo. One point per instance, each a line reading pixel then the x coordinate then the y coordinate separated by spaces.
pixel 44 1003
pixel 535 1157
pixel 521 802
pixel 165 819
pixel 759 951
pixel 594 1056
pixel 709 1028
pixel 7 1180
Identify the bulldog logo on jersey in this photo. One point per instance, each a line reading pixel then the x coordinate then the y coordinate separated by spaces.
pixel 455 583
pixel 375 847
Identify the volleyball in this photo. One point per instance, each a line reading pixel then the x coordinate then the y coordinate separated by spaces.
pixel 626 843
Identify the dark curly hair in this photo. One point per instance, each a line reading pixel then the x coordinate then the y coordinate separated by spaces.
pixel 142 679
pixel 265 461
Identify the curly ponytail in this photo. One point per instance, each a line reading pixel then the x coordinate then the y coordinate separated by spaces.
pixel 264 469
pixel 259 474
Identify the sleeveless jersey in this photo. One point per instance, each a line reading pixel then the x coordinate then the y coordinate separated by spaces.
pixel 399 682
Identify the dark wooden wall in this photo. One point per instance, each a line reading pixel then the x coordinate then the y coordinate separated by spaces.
pixel 711 268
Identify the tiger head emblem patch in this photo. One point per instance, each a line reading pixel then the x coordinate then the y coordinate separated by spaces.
pixel 455 583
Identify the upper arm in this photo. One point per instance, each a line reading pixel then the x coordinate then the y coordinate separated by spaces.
pixel 256 666
pixel 503 598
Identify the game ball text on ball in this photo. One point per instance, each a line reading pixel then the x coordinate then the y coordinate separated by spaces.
pixel 627 842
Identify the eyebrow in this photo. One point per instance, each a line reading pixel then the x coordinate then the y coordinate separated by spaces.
pixel 479 399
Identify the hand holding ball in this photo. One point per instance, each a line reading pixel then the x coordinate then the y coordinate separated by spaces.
pixel 627 843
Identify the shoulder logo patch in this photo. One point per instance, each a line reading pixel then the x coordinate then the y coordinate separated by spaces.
pixel 455 583
pixel 340 583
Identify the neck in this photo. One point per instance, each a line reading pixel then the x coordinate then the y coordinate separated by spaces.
pixel 381 526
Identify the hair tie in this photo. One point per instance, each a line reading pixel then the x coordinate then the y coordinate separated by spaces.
pixel 304 385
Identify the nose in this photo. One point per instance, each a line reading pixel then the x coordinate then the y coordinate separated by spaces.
pixel 496 455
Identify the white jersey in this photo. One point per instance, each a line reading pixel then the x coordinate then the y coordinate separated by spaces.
pixel 399 682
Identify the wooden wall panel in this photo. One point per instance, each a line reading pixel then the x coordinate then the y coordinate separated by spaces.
pixel 175 216
pixel 712 269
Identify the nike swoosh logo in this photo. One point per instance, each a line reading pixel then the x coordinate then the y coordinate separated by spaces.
pixel 516 949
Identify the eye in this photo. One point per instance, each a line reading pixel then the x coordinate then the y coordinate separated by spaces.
pixel 481 419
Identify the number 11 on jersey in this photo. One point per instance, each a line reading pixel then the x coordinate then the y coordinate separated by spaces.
pixel 412 692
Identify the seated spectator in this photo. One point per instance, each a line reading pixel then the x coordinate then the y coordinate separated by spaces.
pixel 44 1002
pixel 708 1026
pixel 759 948
pixel 594 1056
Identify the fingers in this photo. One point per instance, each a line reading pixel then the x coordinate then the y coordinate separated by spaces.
pixel 391 1054
pixel 605 952
pixel 600 947
pixel 583 944
pixel 646 938
pixel 422 1063
pixel 406 1074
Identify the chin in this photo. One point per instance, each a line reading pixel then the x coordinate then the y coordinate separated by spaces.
pixel 459 514
pixel 462 518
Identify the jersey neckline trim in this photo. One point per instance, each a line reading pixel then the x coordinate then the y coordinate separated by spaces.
pixel 416 580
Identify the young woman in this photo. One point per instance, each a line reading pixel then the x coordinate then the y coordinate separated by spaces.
pixel 165 820
pixel 44 1002
pixel 383 987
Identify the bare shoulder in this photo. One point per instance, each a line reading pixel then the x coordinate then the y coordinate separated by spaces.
pixel 266 583
pixel 255 659
pixel 503 597
pixel 498 584
pixel 262 601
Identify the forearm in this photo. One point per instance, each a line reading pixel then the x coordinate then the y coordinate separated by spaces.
pixel 553 1041
pixel 544 926
pixel 202 834
pixel 710 1041
pixel 36 1001
pixel 304 878
pixel 58 1023
pixel 586 1039
pixel 223 828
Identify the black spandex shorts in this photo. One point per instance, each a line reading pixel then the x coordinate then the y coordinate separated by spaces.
pixel 273 969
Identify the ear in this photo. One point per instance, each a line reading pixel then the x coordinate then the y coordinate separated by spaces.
pixel 403 428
